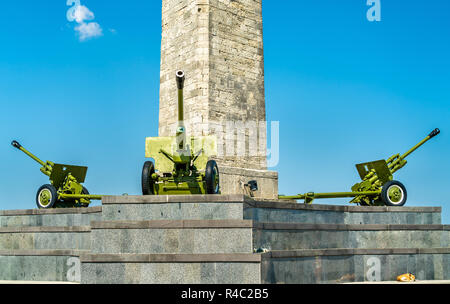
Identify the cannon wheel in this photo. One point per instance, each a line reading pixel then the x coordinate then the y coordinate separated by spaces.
pixel 86 192
pixel 394 193
pixel 212 177
pixel 46 197
pixel 147 181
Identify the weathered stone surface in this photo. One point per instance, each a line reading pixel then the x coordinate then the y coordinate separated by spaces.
pixel 45 238
pixel 232 181
pixel 170 273
pixel 245 236
pixel 40 265
pixel 291 211
pixel 239 206
pixel 353 265
pixel 300 266
pixel 213 238
pixel 52 217
pixel 170 268
pixel 172 240
pixel 219 45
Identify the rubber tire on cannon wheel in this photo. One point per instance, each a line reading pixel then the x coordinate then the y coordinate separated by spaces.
pixel 386 197
pixel 48 190
pixel 211 172
pixel 147 182
pixel 86 192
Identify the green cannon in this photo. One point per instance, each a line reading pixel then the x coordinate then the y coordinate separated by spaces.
pixel 182 164
pixel 377 187
pixel 65 188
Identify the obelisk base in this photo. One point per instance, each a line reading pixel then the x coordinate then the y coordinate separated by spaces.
pixel 236 181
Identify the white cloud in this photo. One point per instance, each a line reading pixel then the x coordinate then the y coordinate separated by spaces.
pixel 89 30
pixel 80 13
pixel 83 13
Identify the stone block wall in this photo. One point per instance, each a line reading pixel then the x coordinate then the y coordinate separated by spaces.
pixel 219 45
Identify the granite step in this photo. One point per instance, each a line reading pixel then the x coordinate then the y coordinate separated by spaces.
pixel 50 217
pixel 239 207
pixel 42 237
pixel 172 236
pixel 40 265
pixel 246 236
pixel 288 236
pixel 338 265
pixel 341 265
pixel 231 268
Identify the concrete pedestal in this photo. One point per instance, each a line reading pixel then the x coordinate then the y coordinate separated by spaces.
pixel 222 239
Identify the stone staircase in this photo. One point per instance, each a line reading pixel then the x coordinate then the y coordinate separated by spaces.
pixel 222 239
pixel 44 245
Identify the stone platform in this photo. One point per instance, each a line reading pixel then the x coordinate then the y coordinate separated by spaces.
pixel 232 181
pixel 222 239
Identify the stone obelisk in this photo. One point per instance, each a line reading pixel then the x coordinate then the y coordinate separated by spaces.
pixel 219 45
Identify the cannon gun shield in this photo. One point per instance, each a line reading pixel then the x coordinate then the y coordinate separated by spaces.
pixel 379 166
pixel 61 171
pixel 203 146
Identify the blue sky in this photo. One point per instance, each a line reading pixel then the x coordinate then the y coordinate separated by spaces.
pixel 345 90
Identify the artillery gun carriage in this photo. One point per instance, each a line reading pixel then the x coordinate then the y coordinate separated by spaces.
pixel 182 164
pixel 377 186
pixel 65 188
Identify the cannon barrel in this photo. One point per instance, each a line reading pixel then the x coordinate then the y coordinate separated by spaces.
pixel 434 133
pixel 181 134
pixel 430 136
pixel 16 145
pixel 180 79
pixel 180 85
